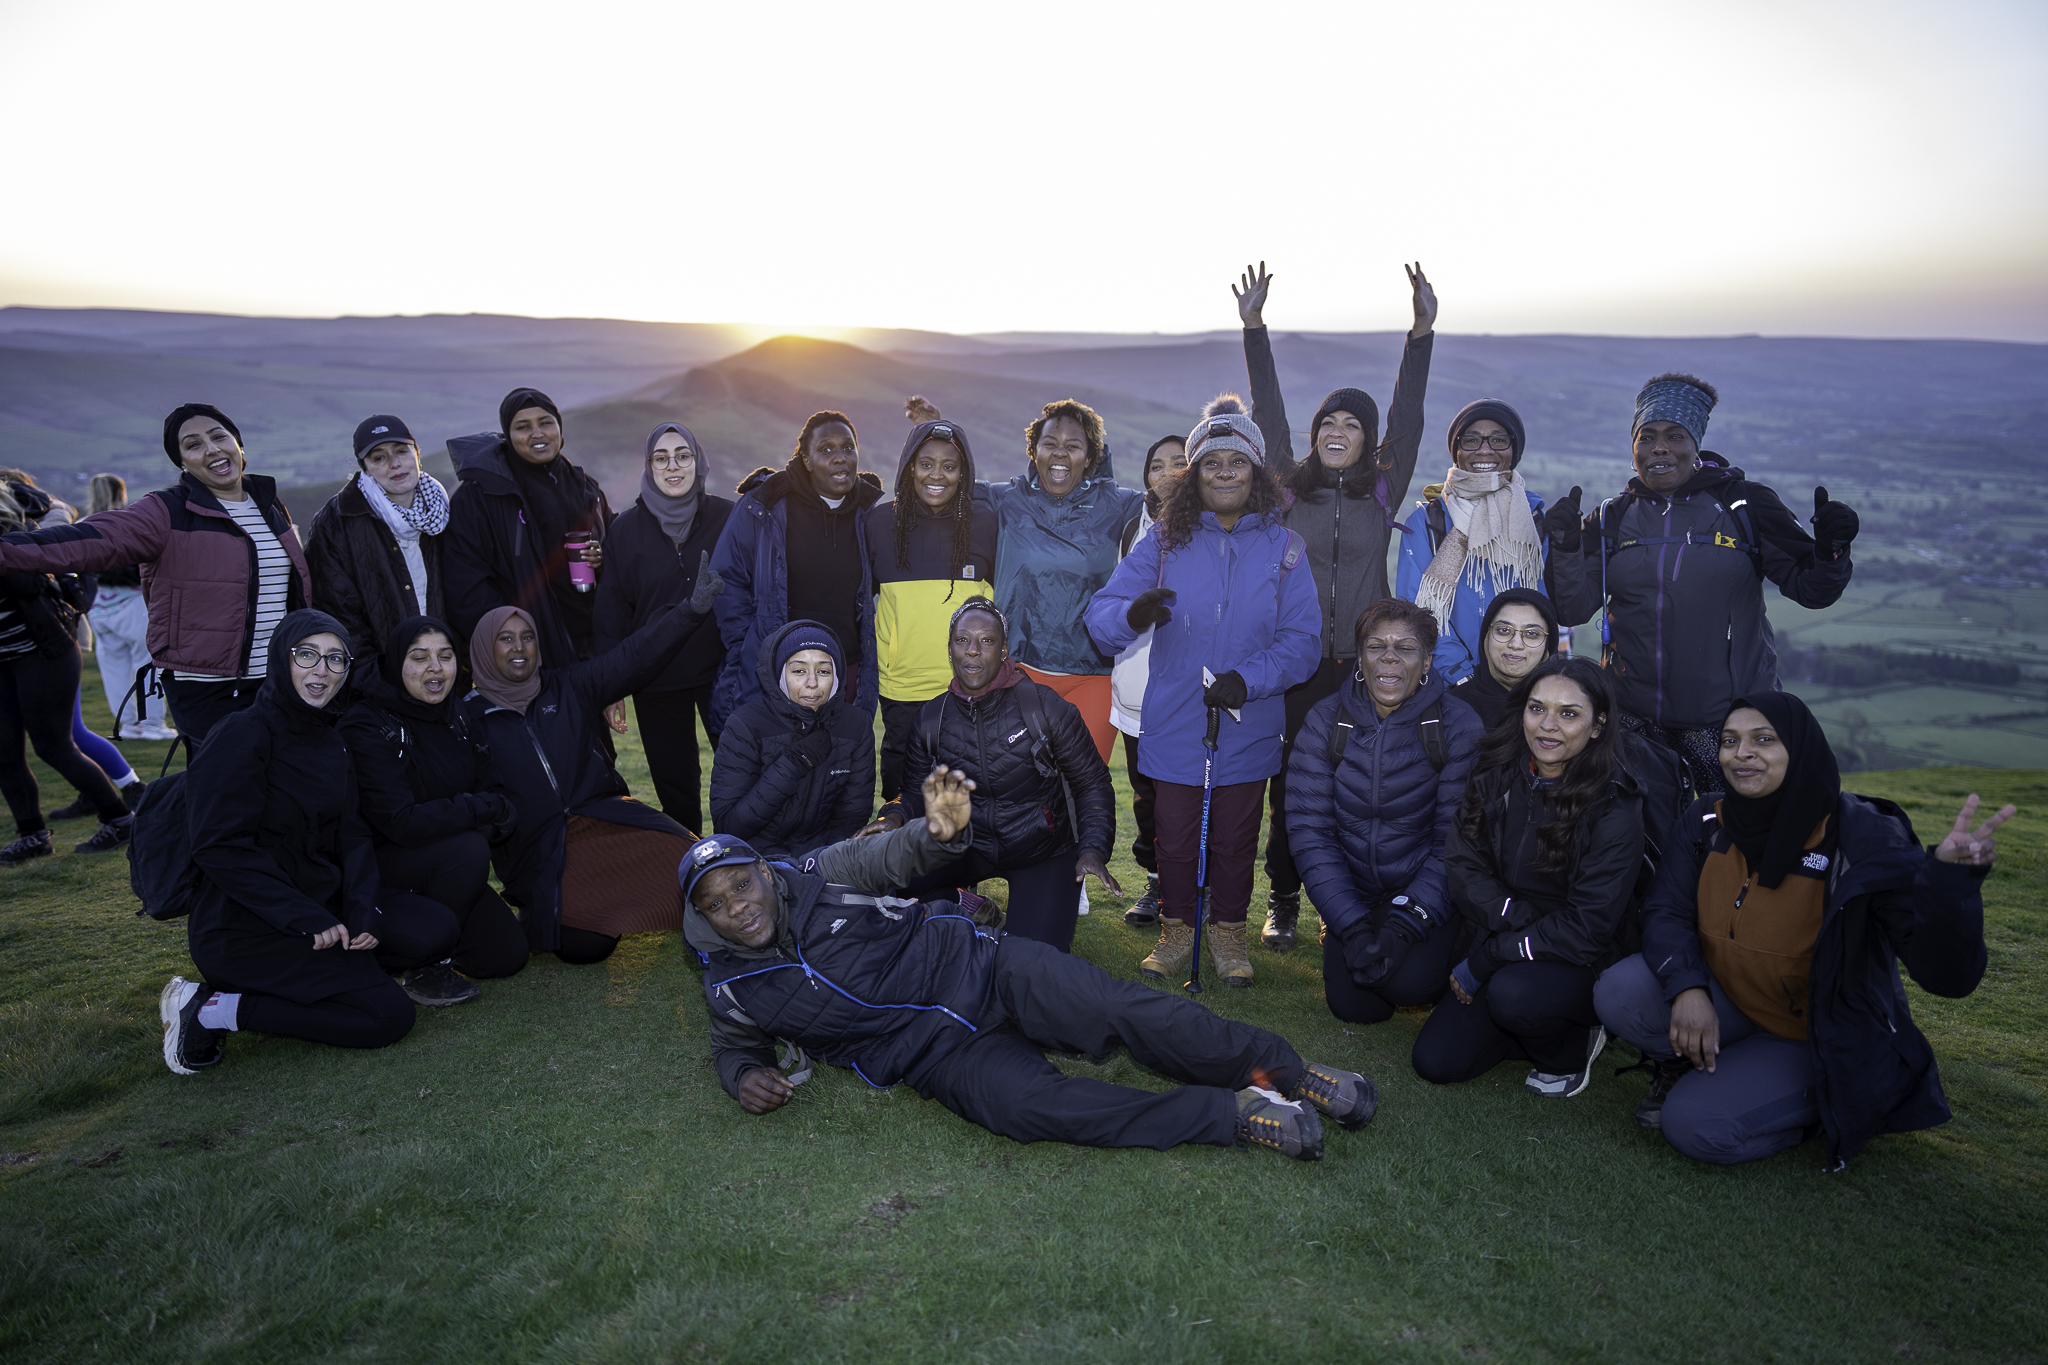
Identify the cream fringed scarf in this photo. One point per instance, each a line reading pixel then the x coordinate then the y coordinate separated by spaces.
pixel 1492 533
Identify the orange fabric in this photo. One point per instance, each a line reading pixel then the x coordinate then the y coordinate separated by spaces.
pixel 1089 692
pixel 621 880
pixel 1758 940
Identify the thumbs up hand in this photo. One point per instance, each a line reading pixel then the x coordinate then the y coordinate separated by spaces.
pixel 1835 524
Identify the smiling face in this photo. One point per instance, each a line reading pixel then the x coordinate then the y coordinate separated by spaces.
pixel 210 454
pixel 395 465
pixel 1392 659
pixel 807 678
pixel 429 668
pixel 1753 757
pixel 1558 723
pixel 535 435
pixel 1666 456
pixel 1226 477
pixel 1162 464
pixel 977 649
pixel 833 457
pixel 1061 456
pixel 1340 440
pixel 935 474
pixel 317 685
pixel 673 464
pixel 516 649
pixel 1485 447
pixel 739 902
pixel 1515 642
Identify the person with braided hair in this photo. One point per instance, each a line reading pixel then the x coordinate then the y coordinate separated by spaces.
pixel 930 549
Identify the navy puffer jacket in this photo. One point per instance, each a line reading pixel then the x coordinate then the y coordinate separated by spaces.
pixel 1373 825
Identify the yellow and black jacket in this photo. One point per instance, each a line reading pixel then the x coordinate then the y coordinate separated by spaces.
pixel 915 598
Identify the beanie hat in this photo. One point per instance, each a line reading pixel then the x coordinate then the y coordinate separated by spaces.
pixel 1225 425
pixel 1676 398
pixel 375 431
pixel 798 636
pixel 1359 404
pixel 1490 409
pixel 184 413
pixel 518 401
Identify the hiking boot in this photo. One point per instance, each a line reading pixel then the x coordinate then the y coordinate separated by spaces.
pixel 1227 951
pixel 1283 909
pixel 1564 1086
pixel 1346 1096
pixel 28 846
pixel 1663 1075
pixel 188 1048
pixel 77 810
pixel 1289 1127
pixel 108 837
pixel 1171 955
pixel 1145 909
pixel 439 984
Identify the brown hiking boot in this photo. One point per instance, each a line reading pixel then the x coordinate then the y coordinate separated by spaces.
pixel 1227 951
pixel 1283 910
pixel 1175 948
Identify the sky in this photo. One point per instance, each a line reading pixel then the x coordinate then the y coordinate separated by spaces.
pixel 1796 167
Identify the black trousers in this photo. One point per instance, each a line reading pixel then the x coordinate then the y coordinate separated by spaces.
pixel 581 947
pixel 454 875
pixel 416 931
pixel 1301 699
pixel 199 706
pixel 37 695
pixel 1539 1011
pixel 899 722
pixel 1144 809
pixel 1044 902
pixel 1423 977
pixel 376 1017
pixel 668 732
pixel 1000 1078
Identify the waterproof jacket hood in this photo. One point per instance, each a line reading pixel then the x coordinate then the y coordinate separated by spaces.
pixel 1052 555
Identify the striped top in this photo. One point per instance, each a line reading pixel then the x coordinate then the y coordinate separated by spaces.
pixel 273 581
pixel 14 637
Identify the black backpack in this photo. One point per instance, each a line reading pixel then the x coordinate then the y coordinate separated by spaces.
pixel 1430 722
pixel 1668 793
pixel 161 872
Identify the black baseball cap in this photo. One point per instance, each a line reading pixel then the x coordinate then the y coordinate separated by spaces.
pixel 375 431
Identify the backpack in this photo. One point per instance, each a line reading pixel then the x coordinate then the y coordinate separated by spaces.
pixel 1668 793
pixel 1430 722
pixel 1608 523
pixel 161 872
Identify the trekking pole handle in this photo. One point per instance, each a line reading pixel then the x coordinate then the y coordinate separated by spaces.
pixel 1215 727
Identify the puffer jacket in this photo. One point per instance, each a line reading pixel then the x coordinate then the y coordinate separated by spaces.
pixel 1020 804
pixel 1888 901
pixel 359 573
pixel 753 559
pixel 1374 824
pixel 1459 648
pixel 1685 596
pixel 49 605
pixel 1243 605
pixel 914 603
pixel 198 568
pixel 769 794
pixel 1052 555
pixel 898 976
pixel 1582 917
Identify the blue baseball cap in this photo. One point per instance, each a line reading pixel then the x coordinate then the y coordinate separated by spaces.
pixel 712 851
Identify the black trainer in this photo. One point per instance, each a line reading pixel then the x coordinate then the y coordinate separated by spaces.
pixel 1267 1119
pixel 1664 1075
pixel 108 837
pixel 28 846
pixel 1346 1097
pixel 1145 909
pixel 439 984
pixel 132 793
pixel 77 810
pixel 188 1048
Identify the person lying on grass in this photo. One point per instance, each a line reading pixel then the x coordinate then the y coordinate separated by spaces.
pixel 1767 992
pixel 899 990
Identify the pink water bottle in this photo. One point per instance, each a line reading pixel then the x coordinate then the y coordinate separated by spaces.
pixel 581 574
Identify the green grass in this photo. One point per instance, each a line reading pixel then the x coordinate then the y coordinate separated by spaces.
pixel 553 1174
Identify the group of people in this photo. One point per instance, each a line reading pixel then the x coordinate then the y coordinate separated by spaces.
pixel 1541 849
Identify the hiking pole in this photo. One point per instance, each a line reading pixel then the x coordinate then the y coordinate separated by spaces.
pixel 1194 986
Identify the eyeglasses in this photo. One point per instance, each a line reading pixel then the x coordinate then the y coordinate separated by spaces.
pixel 309 658
pixel 681 461
pixel 1405 650
pixel 1500 442
pixel 1534 635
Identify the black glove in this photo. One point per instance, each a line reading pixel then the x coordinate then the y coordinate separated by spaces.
pixel 709 585
pixel 1227 692
pixel 1834 525
pixel 1404 923
pixel 814 748
pixel 1361 949
pixel 1149 608
pixel 495 815
pixel 1565 523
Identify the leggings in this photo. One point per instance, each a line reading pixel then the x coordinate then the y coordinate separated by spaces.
pixel 1539 1011
pixel 899 720
pixel 98 750
pixel 1233 848
pixel 668 733
pixel 1044 901
pixel 1090 693
pixel 453 875
pixel 1423 978
pixel 33 690
pixel 375 1017
pixel 1144 810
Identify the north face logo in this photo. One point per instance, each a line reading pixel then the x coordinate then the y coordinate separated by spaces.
pixel 1815 862
pixel 378 431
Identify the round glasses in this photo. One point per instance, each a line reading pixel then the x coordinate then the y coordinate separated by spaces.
pixel 1534 635
pixel 665 461
pixel 309 658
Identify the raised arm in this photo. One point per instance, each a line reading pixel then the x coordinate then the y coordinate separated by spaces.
pixel 1269 409
pixel 106 540
pixel 1405 408
pixel 880 862
pixel 646 652
pixel 1805 572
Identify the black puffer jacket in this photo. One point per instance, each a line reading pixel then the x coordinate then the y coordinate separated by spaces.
pixel 1581 917
pixel 769 787
pixel 1020 803
pixel 359 573
pixel 644 571
pixel 423 776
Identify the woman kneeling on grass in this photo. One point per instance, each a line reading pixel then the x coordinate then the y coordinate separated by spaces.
pixel 1543 863
pixel 433 806
pixel 289 929
pixel 1767 991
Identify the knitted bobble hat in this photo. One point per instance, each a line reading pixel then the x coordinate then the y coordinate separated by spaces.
pixel 1225 425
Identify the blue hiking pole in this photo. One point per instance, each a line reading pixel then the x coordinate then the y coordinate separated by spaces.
pixel 1194 986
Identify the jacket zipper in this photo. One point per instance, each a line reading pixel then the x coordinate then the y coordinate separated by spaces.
pixel 1336 543
pixel 542 755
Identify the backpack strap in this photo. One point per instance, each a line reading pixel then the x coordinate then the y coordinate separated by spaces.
pixel 1436 523
pixel 1341 726
pixel 1296 549
pixel 1431 724
pixel 928 717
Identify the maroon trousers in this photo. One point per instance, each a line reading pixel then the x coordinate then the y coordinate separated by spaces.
pixel 1234 813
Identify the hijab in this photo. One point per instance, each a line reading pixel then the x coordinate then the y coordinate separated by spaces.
pixel 1772 831
pixel 498 689
pixel 391 670
pixel 676 515
pixel 278 693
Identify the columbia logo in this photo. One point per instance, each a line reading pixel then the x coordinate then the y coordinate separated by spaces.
pixel 1815 862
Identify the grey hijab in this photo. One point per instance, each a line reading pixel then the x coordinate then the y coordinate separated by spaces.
pixel 676 515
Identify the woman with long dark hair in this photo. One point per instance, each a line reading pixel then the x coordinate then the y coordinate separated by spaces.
pixel 1543 864
pixel 1164 461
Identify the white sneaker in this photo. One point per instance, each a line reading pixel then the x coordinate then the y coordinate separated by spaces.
pixel 148 729
pixel 1563 1087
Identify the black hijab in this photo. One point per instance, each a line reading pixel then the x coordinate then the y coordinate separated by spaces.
pixel 278 695
pixel 1772 830
pixel 391 671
